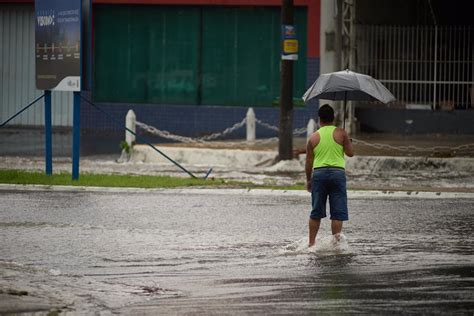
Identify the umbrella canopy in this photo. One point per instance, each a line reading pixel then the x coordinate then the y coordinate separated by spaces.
pixel 347 85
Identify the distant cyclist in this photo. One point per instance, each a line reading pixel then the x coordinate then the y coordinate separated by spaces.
pixel 325 173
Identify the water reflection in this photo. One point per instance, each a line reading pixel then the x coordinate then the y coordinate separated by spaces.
pixel 228 254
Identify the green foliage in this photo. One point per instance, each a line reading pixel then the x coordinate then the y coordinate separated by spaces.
pixel 124 145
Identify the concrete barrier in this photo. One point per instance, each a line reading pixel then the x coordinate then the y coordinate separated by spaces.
pixel 205 156
pixel 386 164
pixel 240 158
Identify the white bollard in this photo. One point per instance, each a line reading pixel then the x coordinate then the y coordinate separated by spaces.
pixel 251 132
pixel 130 120
pixel 311 128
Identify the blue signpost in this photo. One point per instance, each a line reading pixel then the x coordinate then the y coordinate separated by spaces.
pixel 76 135
pixel 47 133
pixel 58 36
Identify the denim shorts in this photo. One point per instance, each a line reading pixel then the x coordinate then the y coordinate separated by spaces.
pixel 329 182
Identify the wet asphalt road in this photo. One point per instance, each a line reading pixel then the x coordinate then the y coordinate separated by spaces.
pixel 179 252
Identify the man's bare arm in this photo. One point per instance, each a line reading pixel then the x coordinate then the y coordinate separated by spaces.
pixel 309 160
pixel 312 142
pixel 347 144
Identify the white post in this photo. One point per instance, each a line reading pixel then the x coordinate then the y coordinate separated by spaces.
pixel 311 128
pixel 130 120
pixel 251 132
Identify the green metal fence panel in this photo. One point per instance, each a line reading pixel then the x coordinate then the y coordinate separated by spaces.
pixel 173 59
pixel 192 55
pixel 112 60
pixel 241 55
pixel 146 54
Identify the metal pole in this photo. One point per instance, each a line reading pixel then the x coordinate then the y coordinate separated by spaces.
pixel 435 66
pixel 458 64
pixel 426 59
pixel 338 17
pixel 465 59
pixel 338 36
pixel 285 135
pixel 443 57
pixel 344 111
pixel 48 149
pixel 76 135
pixel 350 24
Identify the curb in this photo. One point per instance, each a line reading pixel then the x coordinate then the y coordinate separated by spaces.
pixel 258 192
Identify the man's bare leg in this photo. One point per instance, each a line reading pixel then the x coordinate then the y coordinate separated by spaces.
pixel 313 230
pixel 336 228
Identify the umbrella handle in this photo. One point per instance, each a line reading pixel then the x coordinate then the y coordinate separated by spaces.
pixel 344 111
pixel 344 117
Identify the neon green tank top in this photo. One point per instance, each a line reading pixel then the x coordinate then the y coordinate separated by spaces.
pixel 328 153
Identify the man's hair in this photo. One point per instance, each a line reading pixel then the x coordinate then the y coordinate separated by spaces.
pixel 326 114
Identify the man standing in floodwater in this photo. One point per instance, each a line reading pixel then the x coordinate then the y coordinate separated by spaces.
pixel 325 173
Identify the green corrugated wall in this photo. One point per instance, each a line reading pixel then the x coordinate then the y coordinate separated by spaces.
pixel 192 55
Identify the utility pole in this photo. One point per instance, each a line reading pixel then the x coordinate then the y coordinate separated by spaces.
pixel 338 54
pixel 285 136
pixel 348 53
pixel 338 35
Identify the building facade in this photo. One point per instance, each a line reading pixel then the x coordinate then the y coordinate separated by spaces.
pixel 194 67
pixel 191 67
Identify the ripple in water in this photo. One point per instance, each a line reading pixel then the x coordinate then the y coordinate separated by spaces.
pixel 327 245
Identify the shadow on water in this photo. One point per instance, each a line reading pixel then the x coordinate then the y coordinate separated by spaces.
pixel 335 262
pixel 333 284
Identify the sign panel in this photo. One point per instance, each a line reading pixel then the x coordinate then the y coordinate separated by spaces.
pixel 58 45
pixel 289 43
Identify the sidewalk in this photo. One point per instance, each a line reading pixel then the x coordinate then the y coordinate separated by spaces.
pixel 427 145
pixel 30 142
pixel 371 169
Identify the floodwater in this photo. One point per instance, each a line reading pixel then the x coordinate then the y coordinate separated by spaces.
pixel 179 252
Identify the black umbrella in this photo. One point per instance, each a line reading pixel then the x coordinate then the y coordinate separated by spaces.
pixel 347 85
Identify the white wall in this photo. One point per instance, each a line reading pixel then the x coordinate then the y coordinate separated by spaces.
pixel 328 13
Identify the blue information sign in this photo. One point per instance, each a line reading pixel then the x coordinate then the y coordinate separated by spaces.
pixel 58 45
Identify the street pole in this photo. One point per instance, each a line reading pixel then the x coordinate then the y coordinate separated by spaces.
pixel 338 36
pixel 76 134
pixel 338 53
pixel 48 148
pixel 285 136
